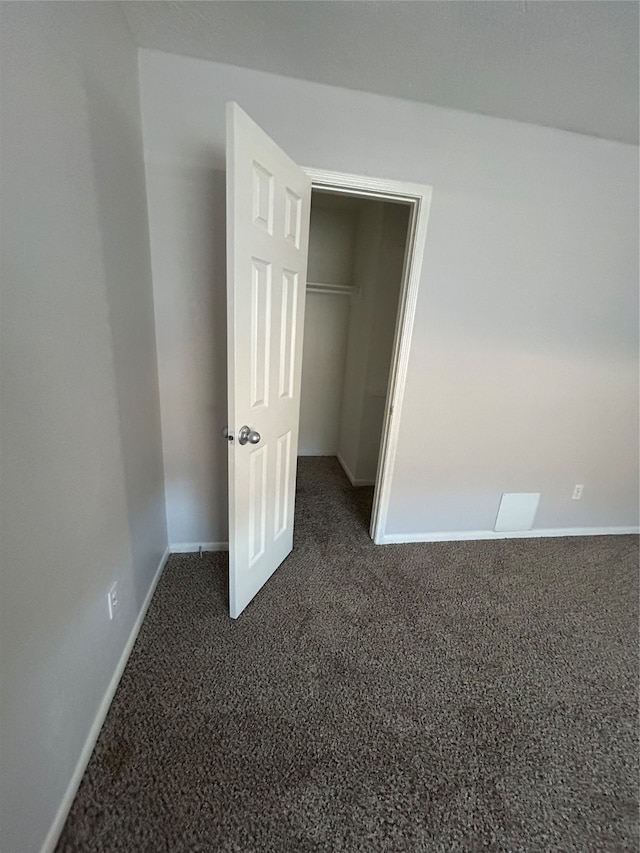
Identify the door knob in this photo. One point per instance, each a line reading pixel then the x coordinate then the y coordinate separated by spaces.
pixel 247 434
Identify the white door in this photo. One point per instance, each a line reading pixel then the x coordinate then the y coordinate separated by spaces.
pixel 268 207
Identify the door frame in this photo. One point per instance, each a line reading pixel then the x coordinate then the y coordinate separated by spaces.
pixel 418 196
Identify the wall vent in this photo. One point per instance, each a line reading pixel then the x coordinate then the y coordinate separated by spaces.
pixel 517 511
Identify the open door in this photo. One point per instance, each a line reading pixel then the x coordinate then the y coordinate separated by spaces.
pixel 268 208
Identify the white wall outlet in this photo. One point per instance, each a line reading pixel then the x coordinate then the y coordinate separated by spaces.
pixel 113 600
pixel 577 492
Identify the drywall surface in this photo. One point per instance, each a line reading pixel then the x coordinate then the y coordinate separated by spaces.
pixel 531 62
pixel 81 500
pixel 326 318
pixel 381 238
pixel 368 239
pixel 332 235
pixel 391 251
pixel 388 280
pixel 523 375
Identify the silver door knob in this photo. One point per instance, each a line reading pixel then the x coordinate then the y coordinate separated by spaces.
pixel 247 434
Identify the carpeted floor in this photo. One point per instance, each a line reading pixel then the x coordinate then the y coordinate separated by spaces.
pixel 455 696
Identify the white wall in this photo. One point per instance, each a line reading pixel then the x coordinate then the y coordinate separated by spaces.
pixel 326 317
pixel 81 499
pixel 380 248
pixel 326 322
pixel 368 238
pixel 387 282
pixel 523 374
pixel 332 234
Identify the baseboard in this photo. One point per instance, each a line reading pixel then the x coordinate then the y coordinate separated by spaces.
pixel 462 535
pixel 72 788
pixel 195 547
pixel 353 480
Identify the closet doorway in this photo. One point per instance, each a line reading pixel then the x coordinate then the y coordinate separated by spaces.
pixel 357 252
pixel 367 238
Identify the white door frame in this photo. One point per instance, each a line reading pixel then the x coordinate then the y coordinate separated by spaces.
pixel 419 198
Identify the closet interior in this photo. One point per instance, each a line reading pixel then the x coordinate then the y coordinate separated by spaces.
pixel 356 257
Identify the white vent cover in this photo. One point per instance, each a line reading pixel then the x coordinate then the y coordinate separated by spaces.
pixel 517 511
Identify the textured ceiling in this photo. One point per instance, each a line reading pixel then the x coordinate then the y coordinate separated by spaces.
pixel 571 65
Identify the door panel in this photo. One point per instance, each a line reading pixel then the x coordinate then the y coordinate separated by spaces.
pixel 268 206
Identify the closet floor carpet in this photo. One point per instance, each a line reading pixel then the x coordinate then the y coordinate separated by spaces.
pixel 434 697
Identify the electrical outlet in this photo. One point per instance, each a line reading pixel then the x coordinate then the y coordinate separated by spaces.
pixel 113 600
pixel 577 492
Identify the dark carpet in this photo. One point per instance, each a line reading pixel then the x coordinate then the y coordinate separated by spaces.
pixel 437 697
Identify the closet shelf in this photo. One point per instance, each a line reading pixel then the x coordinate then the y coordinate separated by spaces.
pixel 326 287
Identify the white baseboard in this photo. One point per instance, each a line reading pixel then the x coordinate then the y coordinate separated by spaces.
pixel 462 535
pixel 353 480
pixel 194 547
pixel 72 788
